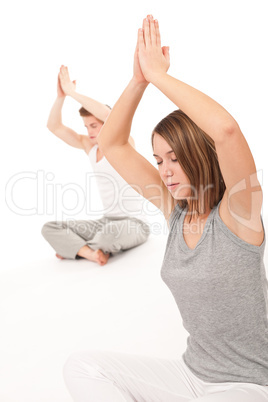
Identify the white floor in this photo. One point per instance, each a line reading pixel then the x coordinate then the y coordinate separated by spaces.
pixel 51 308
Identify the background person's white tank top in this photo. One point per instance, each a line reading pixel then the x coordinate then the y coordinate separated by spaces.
pixel 118 197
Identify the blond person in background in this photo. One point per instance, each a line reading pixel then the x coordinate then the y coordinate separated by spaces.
pixel 123 225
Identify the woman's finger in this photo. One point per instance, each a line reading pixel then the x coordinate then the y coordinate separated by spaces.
pixel 141 44
pixel 157 33
pixel 153 32
pixel 66 72
pixel 137 44
pixel 146 32
pixel 165 50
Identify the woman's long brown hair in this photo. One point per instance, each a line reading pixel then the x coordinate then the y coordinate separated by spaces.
pixel 196 153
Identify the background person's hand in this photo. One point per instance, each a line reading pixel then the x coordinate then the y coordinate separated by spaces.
pixel 153 58
pixel 60 92
pixel 67 86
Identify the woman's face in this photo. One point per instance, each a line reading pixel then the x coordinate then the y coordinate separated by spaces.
pixel 170 170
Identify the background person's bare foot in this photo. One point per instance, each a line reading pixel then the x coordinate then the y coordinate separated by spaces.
pixel 100 257
pixel 97 256
pixel 60 257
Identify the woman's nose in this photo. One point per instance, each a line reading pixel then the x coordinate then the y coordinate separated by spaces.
pixel 167 171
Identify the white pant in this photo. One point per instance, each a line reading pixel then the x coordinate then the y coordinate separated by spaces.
pixel 114 377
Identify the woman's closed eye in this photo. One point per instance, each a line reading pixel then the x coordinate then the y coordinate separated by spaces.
pixel 173 160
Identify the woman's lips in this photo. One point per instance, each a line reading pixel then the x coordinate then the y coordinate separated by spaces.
pixel 172 186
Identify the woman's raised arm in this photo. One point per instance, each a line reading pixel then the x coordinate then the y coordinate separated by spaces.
pixel 243 193
pixel 113 142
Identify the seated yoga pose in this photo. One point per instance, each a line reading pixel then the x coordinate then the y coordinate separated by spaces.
pixel 207 187
pixel 124 224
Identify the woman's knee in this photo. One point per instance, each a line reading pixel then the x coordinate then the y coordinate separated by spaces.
pixel 69 367
pixel 82 365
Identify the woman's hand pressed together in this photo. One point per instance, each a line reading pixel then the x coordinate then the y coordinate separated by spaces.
pixel 153 58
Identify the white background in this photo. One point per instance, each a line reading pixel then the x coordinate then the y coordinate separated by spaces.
pixel 219 47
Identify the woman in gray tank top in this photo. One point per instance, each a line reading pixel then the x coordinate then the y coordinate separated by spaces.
pixel 207 187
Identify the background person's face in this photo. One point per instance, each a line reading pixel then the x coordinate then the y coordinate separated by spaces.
pixel 93 127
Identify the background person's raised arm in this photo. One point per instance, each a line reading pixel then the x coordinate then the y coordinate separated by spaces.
pixel 98 109
pixel 55 125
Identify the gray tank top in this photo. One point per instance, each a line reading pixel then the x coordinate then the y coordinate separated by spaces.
pixel 220 288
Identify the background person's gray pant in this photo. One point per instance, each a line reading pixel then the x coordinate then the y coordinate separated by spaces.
pixel 111 235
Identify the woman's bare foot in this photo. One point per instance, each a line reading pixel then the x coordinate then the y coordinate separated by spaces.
pixel 60 257
pixel 97 256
